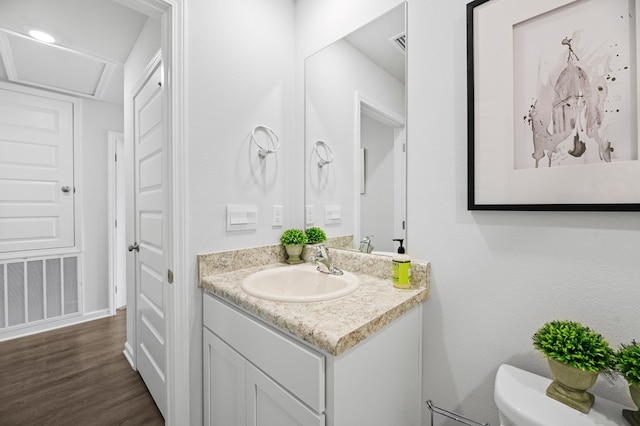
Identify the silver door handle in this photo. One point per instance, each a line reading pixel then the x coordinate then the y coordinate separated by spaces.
pixel 66 189
pixel 134 246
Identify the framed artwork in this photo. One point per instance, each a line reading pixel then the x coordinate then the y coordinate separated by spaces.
pixel 553 105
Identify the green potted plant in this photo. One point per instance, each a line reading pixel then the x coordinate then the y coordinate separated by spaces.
pixel 628 365
pixel 576 355
pixel 315 235
pixel 293 240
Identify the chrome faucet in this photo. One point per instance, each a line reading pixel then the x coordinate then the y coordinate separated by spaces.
pixel 323 260
pixel 365 244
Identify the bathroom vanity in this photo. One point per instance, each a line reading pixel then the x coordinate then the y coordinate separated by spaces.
pixel 354 360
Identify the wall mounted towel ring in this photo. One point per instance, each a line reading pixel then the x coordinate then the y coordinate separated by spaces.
pixel 326 157
pixel 274 143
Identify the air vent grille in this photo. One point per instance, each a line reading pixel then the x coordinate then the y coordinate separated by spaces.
pixel 33 291
pixel 400 42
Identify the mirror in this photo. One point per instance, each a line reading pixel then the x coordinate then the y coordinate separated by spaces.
pixel 355 139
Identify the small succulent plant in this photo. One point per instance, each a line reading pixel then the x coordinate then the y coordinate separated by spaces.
pixel 315 235
pixel 628 362
pixel 293 237
pixel 574 344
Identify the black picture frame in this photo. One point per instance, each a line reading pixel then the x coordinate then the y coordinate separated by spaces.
pixel 617 186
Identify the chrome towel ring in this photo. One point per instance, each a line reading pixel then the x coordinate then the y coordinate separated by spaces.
pixel 274 142
pixel 326 157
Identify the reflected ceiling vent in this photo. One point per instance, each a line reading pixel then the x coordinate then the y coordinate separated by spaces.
pixel 53 67
pixel 400 42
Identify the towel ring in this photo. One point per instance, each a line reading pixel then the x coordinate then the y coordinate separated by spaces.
pixel 328 154
pixel 273 141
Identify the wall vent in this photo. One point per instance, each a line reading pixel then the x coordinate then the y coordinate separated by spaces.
pixel 400 42
pixel 37 290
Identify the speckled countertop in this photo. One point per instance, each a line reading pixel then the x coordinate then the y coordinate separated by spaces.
pixel 333 326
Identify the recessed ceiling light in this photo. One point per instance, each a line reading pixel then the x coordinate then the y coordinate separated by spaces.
pixel 42 36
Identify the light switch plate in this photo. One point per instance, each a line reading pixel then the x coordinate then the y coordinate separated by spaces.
pixel 241 217
pixel 332 214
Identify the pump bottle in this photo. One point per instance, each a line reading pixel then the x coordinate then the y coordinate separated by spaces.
pixel 401 265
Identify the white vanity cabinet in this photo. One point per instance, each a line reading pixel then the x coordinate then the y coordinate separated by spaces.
pixel 238 393
pixel 255 374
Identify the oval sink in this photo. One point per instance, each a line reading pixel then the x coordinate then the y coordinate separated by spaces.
pixel 300 283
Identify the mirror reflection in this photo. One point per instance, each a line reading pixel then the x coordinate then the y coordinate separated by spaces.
pixel 355 109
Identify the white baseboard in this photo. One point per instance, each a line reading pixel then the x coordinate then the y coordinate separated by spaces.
pixel 53 325
pixel 128 353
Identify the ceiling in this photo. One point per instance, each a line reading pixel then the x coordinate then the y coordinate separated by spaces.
pixel 375 40
pixel 93 40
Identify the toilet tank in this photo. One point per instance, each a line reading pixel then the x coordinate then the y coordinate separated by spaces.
pixel 521 400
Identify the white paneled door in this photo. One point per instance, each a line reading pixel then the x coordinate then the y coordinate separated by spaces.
pixel 150 246
pixel 36 172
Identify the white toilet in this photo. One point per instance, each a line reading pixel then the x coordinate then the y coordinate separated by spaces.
pixel 521 400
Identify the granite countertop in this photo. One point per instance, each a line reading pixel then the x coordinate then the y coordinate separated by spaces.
pixel 334 326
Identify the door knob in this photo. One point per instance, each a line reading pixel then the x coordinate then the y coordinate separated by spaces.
pixel 134 246
pixel 66 189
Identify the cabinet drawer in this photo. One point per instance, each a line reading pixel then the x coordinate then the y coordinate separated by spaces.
pixel 298 369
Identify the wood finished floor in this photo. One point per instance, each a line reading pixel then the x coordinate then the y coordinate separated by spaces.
pixel 76 375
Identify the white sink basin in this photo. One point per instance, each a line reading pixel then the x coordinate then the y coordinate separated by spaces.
pixel 299 283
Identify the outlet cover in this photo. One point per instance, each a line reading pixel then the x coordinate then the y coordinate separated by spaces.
pixel 277 216
pixel 308 215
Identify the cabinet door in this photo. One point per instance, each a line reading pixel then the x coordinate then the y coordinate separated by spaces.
pixel 224 383
pixel 270 405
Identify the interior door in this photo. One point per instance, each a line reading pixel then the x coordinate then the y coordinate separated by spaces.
pixel 151 246
pixel 36 172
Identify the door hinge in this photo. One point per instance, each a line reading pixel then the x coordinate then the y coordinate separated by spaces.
pixel 170 276
pixel 116 156
pixel 404 147
pixel 404 225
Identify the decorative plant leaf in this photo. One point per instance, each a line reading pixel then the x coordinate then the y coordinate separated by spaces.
pixel 315 235
pixel 293 237
pixel 574 344
pixel 628 362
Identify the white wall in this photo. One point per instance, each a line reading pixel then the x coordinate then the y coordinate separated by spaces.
pixel 496 276
pixel 239 74
pixel 97 119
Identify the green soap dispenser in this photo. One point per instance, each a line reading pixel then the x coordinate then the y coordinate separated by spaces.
pixel 401 265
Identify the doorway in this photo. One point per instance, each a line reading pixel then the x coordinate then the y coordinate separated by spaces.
pixel 381 164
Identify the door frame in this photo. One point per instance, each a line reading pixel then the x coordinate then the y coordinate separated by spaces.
pixel 115 216
pixel 383 114
pixel 179 309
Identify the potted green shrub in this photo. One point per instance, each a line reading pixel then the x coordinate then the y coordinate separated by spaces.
pixel 576 355
pixel 315 235
pixel 628 365
pixel 293 240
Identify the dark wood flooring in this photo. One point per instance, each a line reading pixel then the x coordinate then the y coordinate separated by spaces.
pixel 76 375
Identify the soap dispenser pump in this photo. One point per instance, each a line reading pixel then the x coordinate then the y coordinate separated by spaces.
pixel 401 265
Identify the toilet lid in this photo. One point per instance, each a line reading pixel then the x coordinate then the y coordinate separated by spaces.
pixel 520 396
